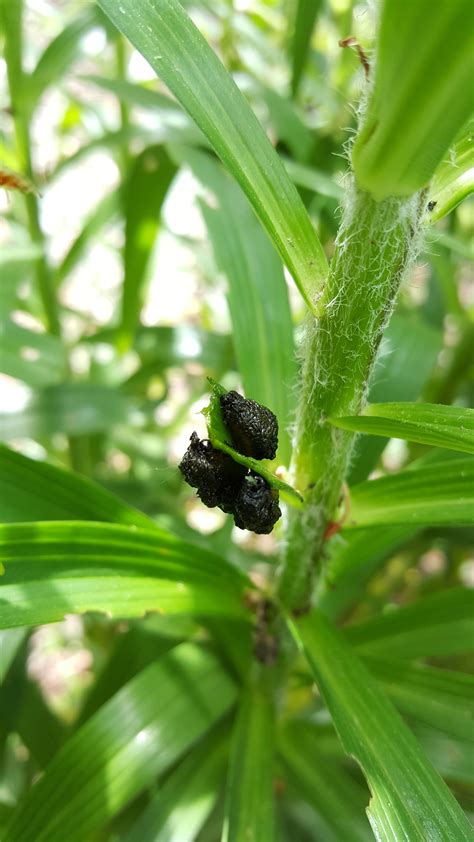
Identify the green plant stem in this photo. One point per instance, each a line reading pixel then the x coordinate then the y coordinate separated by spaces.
pixel 375 245
pixel 44 277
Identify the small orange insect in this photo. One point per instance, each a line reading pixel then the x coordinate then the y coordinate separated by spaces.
pixel 14 181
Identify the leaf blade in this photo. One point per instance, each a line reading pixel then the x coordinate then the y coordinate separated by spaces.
pixel 409 799
pixel 450 427
pixel 181 57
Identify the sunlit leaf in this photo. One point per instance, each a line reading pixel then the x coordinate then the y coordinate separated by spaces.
pixel 53 569
pixel 181 57
pixel 181 806
pixel 140 732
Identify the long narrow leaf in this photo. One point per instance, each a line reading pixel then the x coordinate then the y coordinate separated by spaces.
pixel 150 178
pixel 417 104
pixel 438 697
pixel 56 568
pixel 31 491
pixel 438 625
pixel 453 180
pixel 249 807
pixel 332 792
pixel 179 54
pixel 409 799
pixel 121 750
pixel 451 427
pixel 428 496
pixel 306 14
pixel 180 808
pixel 262 325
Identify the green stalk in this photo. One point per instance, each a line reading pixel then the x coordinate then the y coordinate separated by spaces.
pixel 16 83
pixel 121 68
pixel 375 245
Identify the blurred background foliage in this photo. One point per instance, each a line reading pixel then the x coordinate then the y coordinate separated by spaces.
pixel 134 269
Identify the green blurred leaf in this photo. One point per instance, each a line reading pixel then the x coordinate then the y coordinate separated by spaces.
pixel 178 53
pixel 409 799
pixel 439 494
pixel 395 378
pixel 262 324
pixel 354 557
pixel 421 95
pixel 36 358
pixel 249 803
pixel 103 212
pixel 180 808
pixel 453 180
pixel 72 408
pixel 53 569
pixel 149 179
pixel 454 759
pixel 451 427
pixel 312 179
pixel 288 126
pixel 338 799
pixel 147 725
pixel 306 13
pixel 437 625
pixel 31 490
pixel 438 697
pixel 59 55
pixel 10 642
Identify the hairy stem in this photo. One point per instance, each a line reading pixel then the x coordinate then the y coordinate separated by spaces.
pixel 375 245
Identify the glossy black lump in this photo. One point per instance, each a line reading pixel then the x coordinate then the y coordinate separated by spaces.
pixel 215 475
pixel 256 505
pixel 254 428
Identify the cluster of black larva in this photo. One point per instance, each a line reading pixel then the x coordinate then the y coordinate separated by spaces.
pixel 224 483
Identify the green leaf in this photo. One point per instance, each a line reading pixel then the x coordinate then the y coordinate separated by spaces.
pixel 354 557
pixel 31 491
pixel 453 180
pixel 218 435
pixel 409 799
pixel 147 725
pixel 338 799
pixel 451 427
pixel 396 379
pixel 181 57
pixel 312 179
pixel 417 104
pixel 180 808
pixel 438 697
pixel 150 177
pixel 306 13
pixel 439 494
pixel 249 803
pixel 53 569
pixel 36 358
pixel 262 324
pixel 72 408
pixel 104 211
pixel 53 64
pixel 435 626
pixel 10 642
pixel 451 757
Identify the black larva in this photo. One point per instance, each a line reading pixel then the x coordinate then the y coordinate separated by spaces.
pixel 253 427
